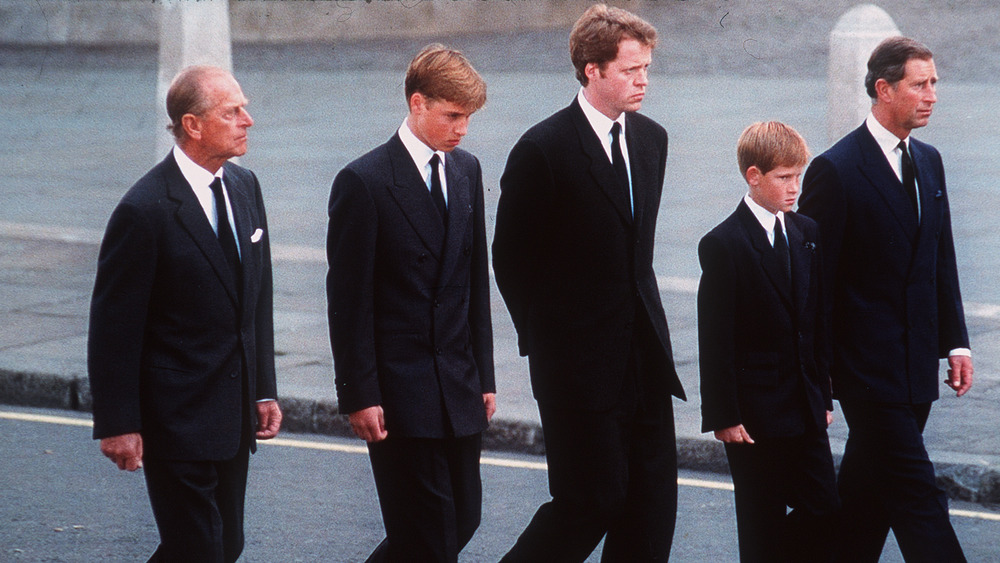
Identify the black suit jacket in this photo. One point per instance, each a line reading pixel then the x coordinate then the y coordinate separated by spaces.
pixel 170 341
pixel 761 340
pixel 408 300
pixel 896 307
pixel 573 266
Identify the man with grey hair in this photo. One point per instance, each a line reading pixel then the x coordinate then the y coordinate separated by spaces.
pixel 895 308
pixel 181 344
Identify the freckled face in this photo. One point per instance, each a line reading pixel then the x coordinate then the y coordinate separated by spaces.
pixel 777 190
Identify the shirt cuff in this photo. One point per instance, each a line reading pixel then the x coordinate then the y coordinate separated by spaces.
pixel 960 352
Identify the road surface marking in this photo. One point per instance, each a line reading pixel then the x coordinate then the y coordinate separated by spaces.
pixel 485 460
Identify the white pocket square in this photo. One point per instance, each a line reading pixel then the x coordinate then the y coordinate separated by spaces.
pixel 255 237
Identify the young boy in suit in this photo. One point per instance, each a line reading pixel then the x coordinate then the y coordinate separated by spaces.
pixel 765 383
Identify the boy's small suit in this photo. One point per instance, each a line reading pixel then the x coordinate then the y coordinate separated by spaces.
pixel 764 364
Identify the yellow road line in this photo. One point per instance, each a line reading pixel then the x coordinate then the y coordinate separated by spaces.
pixel 486 460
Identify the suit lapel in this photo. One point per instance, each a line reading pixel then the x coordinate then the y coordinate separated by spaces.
pixel 239 198
pixel 801 252
pixel 191 216
pixel 644 170
pixel 459 212
pixel 765 253
pixel 414 199
pixel 599 165
pixel 874 166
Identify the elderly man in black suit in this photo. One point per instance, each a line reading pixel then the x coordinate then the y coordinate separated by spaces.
pixel 573 257
pixel 409 310
pixel 764 357
pixel 181 347
pixel 880 199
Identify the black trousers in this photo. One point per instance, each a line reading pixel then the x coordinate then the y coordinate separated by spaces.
pixel 430 492
pixel 198 507
pixel 775 474
pixel 887 481
pixel 612 474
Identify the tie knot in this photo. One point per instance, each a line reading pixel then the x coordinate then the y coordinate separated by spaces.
pixel 435 160
pixel 902 146
pixel 216 185
pixel 616 129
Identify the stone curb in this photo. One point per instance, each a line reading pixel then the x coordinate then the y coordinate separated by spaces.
pixel 961 481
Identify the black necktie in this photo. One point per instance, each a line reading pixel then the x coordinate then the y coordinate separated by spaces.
pixel 226 239
pixel 437 194
pixel 781 250
pixel 618 161
pixel 909 175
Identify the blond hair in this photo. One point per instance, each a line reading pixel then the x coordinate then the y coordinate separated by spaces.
pixel 768 145
pixel 440 73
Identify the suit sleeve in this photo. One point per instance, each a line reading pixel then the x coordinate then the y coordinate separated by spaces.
pixel 951 314
pixel 266 384
pixel 522 202
pixel 717 336
pixel 350 249
pixel 126 269
pixel 480 317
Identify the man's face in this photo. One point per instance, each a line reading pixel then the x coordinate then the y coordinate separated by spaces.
pixel 777 190
pixel 910 101
pixel 440 124
pixel 621 85
pixel 224 125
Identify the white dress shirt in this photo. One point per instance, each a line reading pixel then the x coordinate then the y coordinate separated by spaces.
pixel 766 218
pixel 421 155
pixel 602 126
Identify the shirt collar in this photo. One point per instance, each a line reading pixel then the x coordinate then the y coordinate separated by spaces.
pixel 764 217
pixel 598 121
pixel 419 152
pixel 192 171
pixel 885 139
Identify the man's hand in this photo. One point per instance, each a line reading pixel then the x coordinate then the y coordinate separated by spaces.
pixel 369 424
pixel 268 419
pixel 490 401
pixel 959 374
pixel 125 450
pixel 734 435
pixel 829 418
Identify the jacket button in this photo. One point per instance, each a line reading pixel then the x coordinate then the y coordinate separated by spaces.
pixel 233 375
pixel 439 351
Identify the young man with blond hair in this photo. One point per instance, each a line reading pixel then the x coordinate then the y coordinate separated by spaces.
pixel 765 380
pixel 573 257
pixel 409 311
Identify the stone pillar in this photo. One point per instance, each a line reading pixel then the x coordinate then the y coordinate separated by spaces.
pixel 191 33
pixel 852 41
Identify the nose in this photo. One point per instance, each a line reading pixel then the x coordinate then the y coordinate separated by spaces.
pixel 642 77
pixel 246 119
pixel 932 94
pixel 462 126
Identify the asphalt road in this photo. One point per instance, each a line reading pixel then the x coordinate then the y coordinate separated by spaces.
pixel 310 498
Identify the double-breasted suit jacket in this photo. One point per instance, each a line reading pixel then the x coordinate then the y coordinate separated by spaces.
pixel 761 337
pixel 176 350
pixel 574 263
pixel 409 298
pixel 893 278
